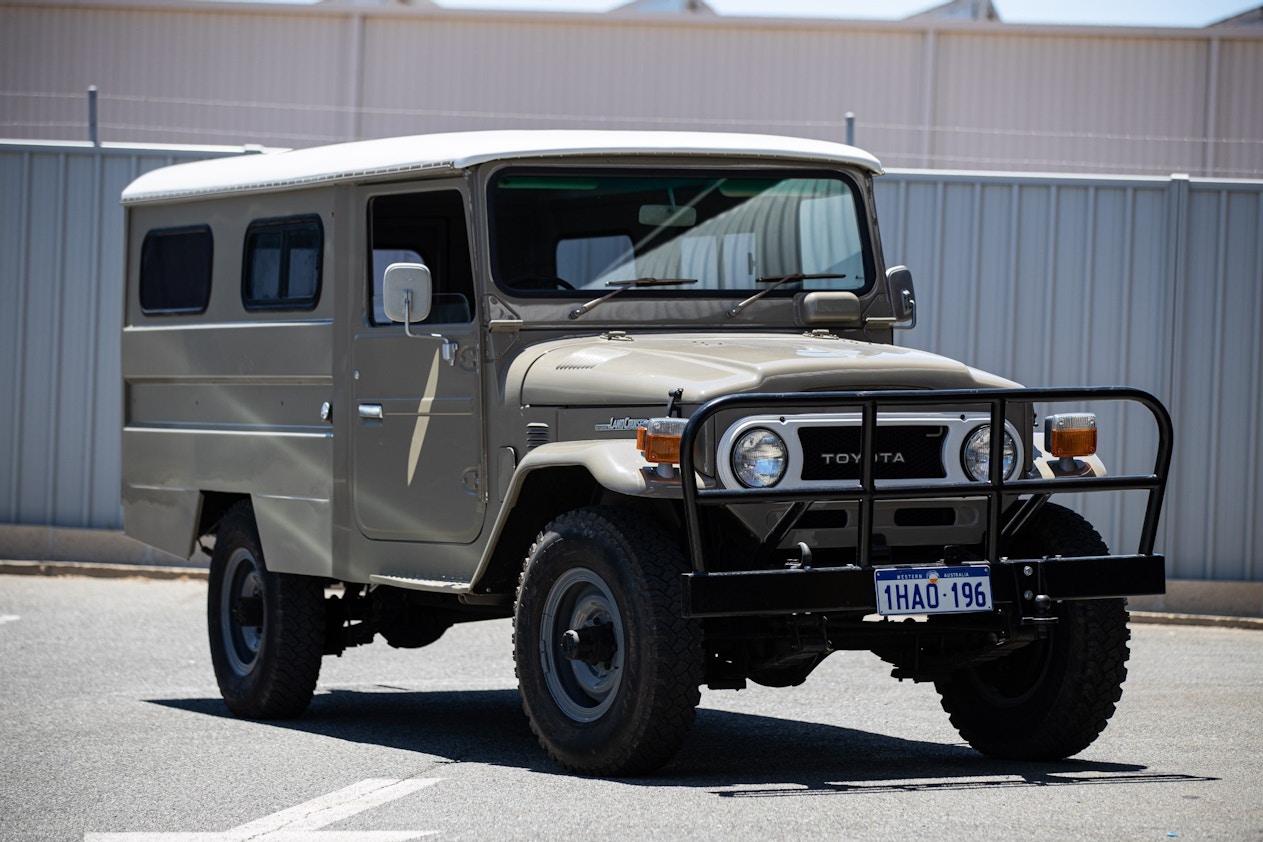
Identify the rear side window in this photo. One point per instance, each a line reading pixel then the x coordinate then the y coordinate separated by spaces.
pixel 175 270
pixel 282 264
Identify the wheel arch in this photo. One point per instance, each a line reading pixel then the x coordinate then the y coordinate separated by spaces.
pixel 541 495
pixel 214 506
pixel 555 478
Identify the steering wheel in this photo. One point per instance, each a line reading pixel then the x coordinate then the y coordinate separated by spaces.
pixel 540 282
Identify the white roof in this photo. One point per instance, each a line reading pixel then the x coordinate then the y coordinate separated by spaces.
pixel 370 159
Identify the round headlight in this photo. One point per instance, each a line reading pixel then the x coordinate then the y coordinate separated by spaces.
pixel 976 454
pixel 758 458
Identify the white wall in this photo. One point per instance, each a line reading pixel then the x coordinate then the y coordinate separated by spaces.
pixel 941 94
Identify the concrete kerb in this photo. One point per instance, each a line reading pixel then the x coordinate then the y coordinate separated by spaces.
pixel 106 570
pixel 23 542
pixel 100 570
pixel 1217 620
pixel 102 553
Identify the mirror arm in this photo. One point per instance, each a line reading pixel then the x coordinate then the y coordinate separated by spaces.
pixel 912 306
pixel 449 347
pixel 407 315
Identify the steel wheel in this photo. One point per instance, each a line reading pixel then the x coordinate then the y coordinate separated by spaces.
pixel 580 600
pixel 241 607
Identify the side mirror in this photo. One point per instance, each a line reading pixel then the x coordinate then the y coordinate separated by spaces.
pixel 406 292
pixel 902 297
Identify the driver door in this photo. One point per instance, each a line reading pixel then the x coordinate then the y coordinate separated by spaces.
pixel 417 463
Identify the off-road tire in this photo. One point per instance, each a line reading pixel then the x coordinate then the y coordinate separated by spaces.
pixel 269 670
pixel 633 716
pixel 1048 700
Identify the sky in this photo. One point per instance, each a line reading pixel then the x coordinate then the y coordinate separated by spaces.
pixel 1180 13
pixel 1189 13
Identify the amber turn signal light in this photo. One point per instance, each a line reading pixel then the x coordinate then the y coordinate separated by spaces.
pixel 1070 434
pixel 659 442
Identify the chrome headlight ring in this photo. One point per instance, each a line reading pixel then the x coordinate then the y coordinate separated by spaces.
pixel 759 458
pixel 975 454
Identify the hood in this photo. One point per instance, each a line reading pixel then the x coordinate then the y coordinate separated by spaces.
pixel 641 369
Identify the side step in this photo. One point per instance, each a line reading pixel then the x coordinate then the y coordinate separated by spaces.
pixel 459 589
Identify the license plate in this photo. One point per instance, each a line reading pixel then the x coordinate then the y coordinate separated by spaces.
pixel 958 589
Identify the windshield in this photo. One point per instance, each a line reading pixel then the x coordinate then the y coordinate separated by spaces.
pixel 555 231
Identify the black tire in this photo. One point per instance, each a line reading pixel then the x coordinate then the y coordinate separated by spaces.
pixel 1048 700
pixel 266 629
pixel 630 709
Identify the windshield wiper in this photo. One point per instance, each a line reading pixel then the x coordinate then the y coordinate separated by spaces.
pixel 619 286
pixel 775 281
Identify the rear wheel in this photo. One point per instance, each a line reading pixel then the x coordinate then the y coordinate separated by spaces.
pixel 608 669
pixel 1053 697
pixel 266 629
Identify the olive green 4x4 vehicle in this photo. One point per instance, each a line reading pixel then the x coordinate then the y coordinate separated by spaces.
pixel 637 391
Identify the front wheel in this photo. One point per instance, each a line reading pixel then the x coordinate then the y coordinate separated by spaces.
pixel 608 669
pixel 1053 697
pixel 266 629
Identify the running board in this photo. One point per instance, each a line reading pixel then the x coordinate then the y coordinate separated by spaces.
pixel 459 589
pixel 432 585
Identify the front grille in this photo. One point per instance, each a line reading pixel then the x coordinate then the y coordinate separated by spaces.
pixel 899 452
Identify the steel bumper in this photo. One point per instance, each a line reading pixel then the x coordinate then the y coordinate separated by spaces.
pixel 834 589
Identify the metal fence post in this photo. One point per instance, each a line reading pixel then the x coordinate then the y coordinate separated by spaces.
pixel 92 128
pixel 850 128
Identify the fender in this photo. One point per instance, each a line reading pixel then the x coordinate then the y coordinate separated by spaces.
pixel 616 465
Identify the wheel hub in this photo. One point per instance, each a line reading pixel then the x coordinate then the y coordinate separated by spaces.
pixel 248 611
pixel 594 645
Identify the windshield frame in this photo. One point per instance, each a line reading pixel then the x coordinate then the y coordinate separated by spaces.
pixel 856 185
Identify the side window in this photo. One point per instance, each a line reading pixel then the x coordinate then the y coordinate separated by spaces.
pixel 282 264
pixel 175 270
pixel 426 228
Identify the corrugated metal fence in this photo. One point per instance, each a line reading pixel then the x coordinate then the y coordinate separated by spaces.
pixel 61 312
pixel 1051 280
pixel 1152 283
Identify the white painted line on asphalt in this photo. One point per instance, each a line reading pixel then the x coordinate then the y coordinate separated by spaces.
pixel 303 822
pixel 9 618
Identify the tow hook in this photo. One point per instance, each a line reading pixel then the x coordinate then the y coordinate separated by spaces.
pixel 593 645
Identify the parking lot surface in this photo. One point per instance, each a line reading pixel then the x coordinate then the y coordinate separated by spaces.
pixel 112 729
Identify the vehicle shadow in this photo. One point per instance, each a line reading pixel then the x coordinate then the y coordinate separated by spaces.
pixel 738 755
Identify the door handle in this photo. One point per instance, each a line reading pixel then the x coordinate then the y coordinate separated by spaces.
pixel 371 410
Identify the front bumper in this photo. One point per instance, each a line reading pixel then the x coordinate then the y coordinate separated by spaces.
pixel 852 589
pixel 712 592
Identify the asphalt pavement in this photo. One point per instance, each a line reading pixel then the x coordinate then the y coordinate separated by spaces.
pixel 112 729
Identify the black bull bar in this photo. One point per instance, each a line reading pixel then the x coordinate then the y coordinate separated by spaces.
pixel 708 593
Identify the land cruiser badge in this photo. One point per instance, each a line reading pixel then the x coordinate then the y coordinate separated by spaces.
pixel 621 424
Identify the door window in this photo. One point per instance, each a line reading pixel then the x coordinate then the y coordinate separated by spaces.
pixel 427 228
